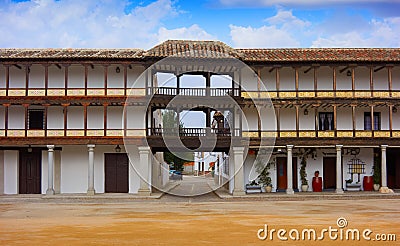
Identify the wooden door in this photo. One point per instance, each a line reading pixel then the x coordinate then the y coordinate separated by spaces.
pixel 393 168
pixel 116 173
pixel 329 178
pixel 281 168
pixel 30 171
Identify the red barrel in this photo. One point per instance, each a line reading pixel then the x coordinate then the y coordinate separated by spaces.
pixel 317 184
pixel 368 183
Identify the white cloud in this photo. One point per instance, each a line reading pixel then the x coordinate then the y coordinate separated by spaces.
pixel 193 32
pixel 268 3
pixel 76 23
pixel 283 30
pixel 380 33
pixel 263 37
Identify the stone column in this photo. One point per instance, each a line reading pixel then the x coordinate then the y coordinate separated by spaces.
pixel 289 170
pixel 50 170
pixel 91 190
pixel 383 168
pixel 1 172
pixel 339 181
pixel 238 189
pixel 145 171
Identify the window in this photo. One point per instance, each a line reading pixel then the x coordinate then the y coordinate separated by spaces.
pixel 36 119
pixel 368 122
pixel 326 121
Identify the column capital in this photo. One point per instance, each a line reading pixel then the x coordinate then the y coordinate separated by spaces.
pixel 91 147
pixel 339 147
pixel 50 147
pixel 144 149
pixel 290 147
pixel 237 149
pixel 384 146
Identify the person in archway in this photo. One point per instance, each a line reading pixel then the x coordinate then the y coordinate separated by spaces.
pixel 317 182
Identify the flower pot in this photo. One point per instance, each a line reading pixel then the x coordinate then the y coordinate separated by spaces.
pixel 376 187
pixel 368 183
pixel 304 188
pixel 268 188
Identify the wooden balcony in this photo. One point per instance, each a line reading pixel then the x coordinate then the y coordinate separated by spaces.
pixel 194 92
pixel 347 94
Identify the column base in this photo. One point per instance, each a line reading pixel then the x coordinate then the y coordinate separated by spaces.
pixel 238 193
pixel 339 191
pixel 90 192
pixel 289 191
pixel 144 192
pixel 50 192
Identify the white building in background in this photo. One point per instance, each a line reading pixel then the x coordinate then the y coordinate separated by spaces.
pixel 64 115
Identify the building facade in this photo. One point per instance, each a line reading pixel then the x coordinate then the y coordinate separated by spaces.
pixel 68 117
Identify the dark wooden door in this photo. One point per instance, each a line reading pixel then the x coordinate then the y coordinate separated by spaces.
pixel 116 173
pixel 30 171
pixel 393 168
pixel 329 173
pixel 281 168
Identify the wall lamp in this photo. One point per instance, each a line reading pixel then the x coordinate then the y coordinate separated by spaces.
pixel 117 149
pixel 348 73
pixel 29 149
pixel 305 112
pixel 394 110
pixel 117 70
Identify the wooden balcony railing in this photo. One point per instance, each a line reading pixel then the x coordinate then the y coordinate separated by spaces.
pixel 21 92
pixel 322 94
pixel 193 132
pixel 322 134
pixel 198 92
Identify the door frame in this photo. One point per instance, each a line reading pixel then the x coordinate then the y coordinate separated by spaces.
pixel 126 185
pixel 325 173
pixel 22 180
pixel 294 173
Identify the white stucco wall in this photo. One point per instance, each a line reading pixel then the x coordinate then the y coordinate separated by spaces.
pixel 10 172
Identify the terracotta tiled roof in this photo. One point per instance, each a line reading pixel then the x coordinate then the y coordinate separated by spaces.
pixel 321 54
pixel 69 53
pixel 193 49
pixel 213 49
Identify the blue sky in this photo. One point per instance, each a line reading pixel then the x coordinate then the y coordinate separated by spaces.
pixel 238 23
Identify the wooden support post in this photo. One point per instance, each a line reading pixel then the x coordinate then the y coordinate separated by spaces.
pixel 277 77
pixel 316 120
pixel 389 68
pixel 297 120
pixel 6 106
pixel 86 78
pixel 334 81
pixel 335 119
pixel 353 117
pixel 26 106
pixel 7 78
pixel 391 120
pixel 353 81
pixel 66 79
pixel 105 79
pixel 45 116
pixel 296 80
pixel 126 80
pixel 105 106
pixel 278 120
pixel 46 78
pixel 372 119
pixel 371 80
pixel 27 71
pixel 65 105
pixel 315 79
pixel 85 118
pixel 125 119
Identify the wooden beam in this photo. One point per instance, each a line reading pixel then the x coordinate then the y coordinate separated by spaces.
pixel 353 81
pixel 371 80
pixel 27 71
pixel 296 80
pixel 17 66
pixel 66 79
pixel 45 116
pixel 85 118
pixel 334 81
pixel 297 120
pixel 316 120
pixel 86 78
pixel 26 106
pixel 335 119
pixel 353 117
pixel 126 80
pixel 277 77
pixel 105 79
pixel 308 69
pixel 390 82
pixel 58 65
pixel 343 69
pixel 7 79
pixel 372 118
pixel 46 78
pixel 315 79
pixel 278 120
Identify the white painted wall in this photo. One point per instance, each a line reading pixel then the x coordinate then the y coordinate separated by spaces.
pixel 95 118
pixel 56 77
pixel 76 76
pixel 75 117
pixel 36 76
pixel 16 117
pixel 10 172
pixel 288 118
pixel 55 117
pixel 17 77
pixel 96 77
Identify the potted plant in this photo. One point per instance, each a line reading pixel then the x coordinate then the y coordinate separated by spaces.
pixel 304 154
pixel 376 173
pixel 263 176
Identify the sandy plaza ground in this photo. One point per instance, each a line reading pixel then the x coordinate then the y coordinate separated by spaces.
pixel 205 220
